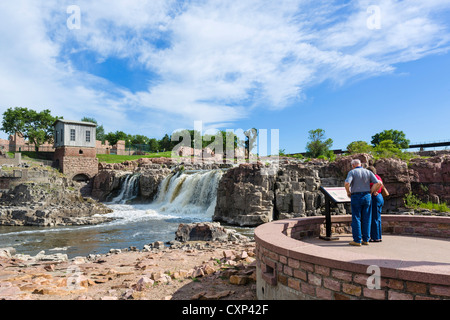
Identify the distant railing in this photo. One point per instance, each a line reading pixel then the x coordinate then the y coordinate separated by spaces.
pixel 430 144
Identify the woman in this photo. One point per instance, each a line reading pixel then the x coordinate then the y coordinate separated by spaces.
pixel 376 207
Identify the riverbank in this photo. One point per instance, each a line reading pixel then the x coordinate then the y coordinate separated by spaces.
pixel 200 270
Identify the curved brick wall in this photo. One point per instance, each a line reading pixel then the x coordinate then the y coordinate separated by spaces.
pixel 289 268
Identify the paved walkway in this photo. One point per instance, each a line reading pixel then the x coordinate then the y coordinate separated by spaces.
pixel 406 248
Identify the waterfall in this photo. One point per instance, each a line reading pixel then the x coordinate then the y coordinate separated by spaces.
pixel 129 189
pixel 189 193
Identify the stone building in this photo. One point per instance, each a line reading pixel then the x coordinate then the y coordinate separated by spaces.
pixel 75 152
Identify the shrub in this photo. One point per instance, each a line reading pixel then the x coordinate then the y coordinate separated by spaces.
pixel 413 202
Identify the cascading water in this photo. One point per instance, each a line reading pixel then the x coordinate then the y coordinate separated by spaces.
pixel 189 194
pixel 129 189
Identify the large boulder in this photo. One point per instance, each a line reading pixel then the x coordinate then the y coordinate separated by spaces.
pixel 397 177
pixel 150 180
pixel 206 231
pixel 105 182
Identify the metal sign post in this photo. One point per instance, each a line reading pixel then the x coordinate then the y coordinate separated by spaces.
pixel 337 195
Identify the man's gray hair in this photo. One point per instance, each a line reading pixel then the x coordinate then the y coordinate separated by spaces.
pixel 356 162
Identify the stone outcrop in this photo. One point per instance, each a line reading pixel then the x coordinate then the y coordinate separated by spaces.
pixel 431 178
pixel 108 181
pixel 245 196
pixel 252 194
pixel 151 179
pixel 105 182
pixel 55 202
pixel 248 197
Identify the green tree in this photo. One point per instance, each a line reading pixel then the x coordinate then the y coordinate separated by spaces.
pixel 230 141
pixel 359 147
pixel 318 145
pixel 165 143
pixel 114 137
pixel 397 137
pixel 138 139
pixel 153 145
pixel 36 127
pixel 387 149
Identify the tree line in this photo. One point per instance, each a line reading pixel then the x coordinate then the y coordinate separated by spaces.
pixel 37 128
pixel 388 143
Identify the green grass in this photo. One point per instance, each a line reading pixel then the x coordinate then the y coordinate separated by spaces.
pixel 113 158
pixel 30 155
pixel 442 207
pixel 413 202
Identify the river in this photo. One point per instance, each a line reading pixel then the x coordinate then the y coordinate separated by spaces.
pixel 182 198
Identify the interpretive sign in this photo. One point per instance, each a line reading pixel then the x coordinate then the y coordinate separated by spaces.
pixel 337 195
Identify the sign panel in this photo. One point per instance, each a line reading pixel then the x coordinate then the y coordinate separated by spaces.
pixel 337 194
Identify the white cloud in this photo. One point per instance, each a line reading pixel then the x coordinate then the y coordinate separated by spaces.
pixel 216 60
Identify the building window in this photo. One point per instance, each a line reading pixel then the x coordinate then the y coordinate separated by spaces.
pixel 62 135
pixel 88 136
pixel 56 136
pixel 72 134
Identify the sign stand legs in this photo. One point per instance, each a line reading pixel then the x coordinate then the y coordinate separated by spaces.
pixel 328 235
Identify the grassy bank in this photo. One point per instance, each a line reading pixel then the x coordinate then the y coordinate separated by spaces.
pixel 113 158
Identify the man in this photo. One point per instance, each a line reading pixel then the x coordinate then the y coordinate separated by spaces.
pixel 358 189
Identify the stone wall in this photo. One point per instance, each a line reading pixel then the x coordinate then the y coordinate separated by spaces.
pixel 74 160
pixel 72 166
pixel 288 268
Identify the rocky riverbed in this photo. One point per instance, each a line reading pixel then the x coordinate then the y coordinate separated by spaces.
pixel 191 270
pixel 51 200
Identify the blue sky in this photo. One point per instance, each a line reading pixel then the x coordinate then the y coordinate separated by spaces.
pixel 352 68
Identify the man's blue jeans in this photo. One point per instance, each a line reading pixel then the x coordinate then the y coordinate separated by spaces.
pixel 361 216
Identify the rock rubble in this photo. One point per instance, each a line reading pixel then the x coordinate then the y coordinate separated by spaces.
pixel 205 270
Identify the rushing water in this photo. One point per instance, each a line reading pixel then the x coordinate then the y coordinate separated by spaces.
pixel 182 198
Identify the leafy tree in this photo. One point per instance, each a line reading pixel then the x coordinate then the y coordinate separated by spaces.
pixel 36 127
pixel 114 137
pixel 397 137
pixel 230 141
pixel 318 145
pixel 165 143
pixel 138 139
pixel 154 145
pixel 359 147
pixel 387 149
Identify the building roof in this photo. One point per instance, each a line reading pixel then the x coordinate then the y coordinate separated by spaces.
pixel 82 123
